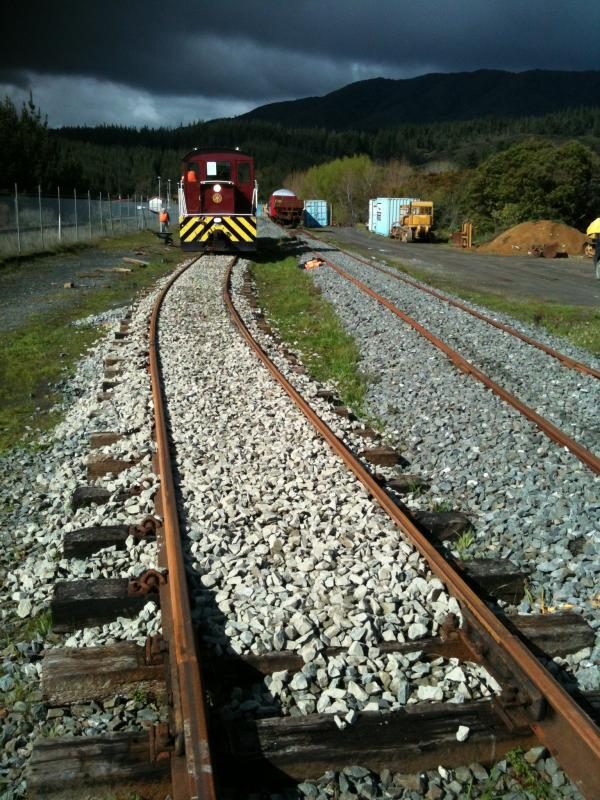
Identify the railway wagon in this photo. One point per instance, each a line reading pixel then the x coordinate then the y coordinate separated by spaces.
pixel 217 201
pixel 285 207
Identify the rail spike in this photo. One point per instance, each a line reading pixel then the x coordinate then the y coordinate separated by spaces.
pixel 146 529
pixel 520 702
pixel 147 583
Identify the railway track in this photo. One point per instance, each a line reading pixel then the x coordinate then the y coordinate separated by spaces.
pixel 209 655
pixel 555 433
pixel 567 361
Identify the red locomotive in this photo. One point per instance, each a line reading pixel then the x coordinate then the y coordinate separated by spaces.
pixel 217 201
pixel 285 207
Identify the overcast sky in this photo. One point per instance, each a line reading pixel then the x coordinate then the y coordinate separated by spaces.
pixel 176 61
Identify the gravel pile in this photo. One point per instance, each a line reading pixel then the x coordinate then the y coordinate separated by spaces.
pixel 529 500
pixel 525 776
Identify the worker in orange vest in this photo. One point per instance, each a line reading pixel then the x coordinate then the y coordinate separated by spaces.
pixel 164 220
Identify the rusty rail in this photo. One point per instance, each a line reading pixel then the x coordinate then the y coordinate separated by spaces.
pixel 558 722
pixel 192 772
pixel 567 361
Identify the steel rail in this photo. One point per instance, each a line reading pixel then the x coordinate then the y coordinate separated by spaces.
pixel 566 730
pixel 567 361
pixel 192 772
pixel 556 434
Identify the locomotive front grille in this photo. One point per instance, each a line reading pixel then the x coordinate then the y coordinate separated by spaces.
pixel 199 232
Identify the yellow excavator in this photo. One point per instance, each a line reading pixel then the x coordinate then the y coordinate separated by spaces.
pixel 415 222
pixel 593 232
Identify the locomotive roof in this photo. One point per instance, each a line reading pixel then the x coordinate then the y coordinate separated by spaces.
pixel 203 151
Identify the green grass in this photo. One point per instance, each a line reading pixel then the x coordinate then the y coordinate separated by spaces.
pixel 578 324
pixel 45 349
pixel 526 776
pixel 304 319
pixel 463 543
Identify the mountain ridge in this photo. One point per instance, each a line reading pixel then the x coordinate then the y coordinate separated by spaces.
pixel 436 97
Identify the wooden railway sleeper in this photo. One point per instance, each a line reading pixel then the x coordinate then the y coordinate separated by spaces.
pixel 147 583
pixel 521 703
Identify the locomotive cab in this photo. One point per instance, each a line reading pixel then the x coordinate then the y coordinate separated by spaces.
pixel 217 201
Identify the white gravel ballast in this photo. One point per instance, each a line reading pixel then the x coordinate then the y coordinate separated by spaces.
pixel 289 551
pixel 529 500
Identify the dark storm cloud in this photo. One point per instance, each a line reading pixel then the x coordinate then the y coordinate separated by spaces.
pixel 254 52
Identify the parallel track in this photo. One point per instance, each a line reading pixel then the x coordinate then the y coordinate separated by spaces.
pixel 564 728
pixel 565 360
pixel 548 428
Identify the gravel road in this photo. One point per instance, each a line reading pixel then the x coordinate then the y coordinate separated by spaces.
pixel 569 280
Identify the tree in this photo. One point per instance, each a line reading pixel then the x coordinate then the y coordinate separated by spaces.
pixel 24 146
pixel 534 180
pixel 346 183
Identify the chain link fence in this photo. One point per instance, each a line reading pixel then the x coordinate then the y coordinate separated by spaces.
pixel 33 223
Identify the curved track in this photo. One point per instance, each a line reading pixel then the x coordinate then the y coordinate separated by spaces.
pixel 556 719
pixel 192 772
pixel 537 701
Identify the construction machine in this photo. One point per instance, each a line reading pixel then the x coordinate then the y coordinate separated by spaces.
pixel 415 222
pixel 589 246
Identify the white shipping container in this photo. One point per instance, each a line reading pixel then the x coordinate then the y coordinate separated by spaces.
pixel 387 211
pixel 371 214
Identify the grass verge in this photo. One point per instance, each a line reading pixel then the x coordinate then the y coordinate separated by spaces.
pixel 580 325
pixel 45 349
pixel 307 321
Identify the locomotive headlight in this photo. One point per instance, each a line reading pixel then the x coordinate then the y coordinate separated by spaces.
pixel 217 187
pixel 217 220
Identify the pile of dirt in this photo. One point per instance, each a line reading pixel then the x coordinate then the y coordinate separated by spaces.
pixel 525 238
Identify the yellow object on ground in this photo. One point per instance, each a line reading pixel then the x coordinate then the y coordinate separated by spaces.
pixel 593 227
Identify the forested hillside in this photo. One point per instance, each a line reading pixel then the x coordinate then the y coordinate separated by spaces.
pixel 119 154
pixel 497 171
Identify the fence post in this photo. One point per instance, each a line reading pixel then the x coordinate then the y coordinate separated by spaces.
pixel 120 214
pixel 101 217
pixel 59 215
pixel 17 220
pixel 110 214
pixel 41 220
pixel 90 212
pixel 76 223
